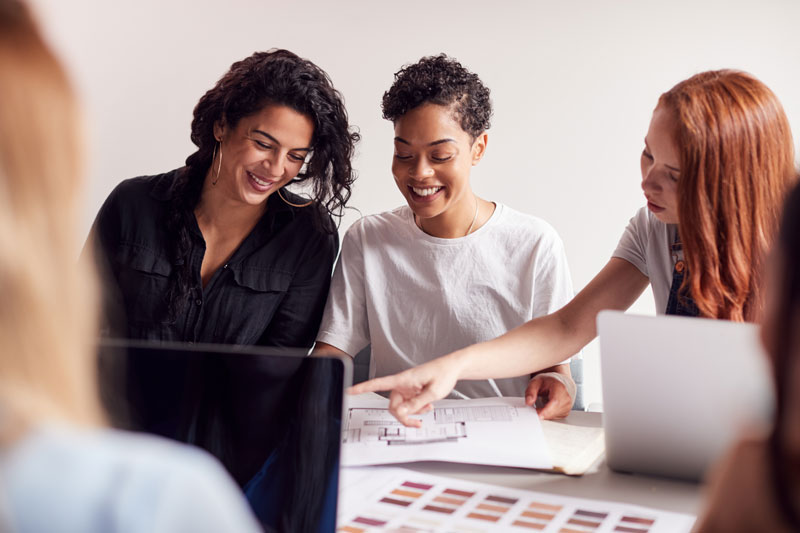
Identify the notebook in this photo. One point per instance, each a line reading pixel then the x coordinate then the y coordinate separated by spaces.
pixel 271 416
pixel 678 391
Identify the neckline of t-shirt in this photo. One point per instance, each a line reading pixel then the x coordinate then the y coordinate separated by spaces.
pixel 657 228
pixel 417 231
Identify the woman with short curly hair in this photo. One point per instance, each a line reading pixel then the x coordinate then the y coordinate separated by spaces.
pixel 207 252
pixel 449 268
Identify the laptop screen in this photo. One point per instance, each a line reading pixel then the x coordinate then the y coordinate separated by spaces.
pixel 271 416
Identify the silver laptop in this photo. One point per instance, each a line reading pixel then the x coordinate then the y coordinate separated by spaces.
pixel 678 391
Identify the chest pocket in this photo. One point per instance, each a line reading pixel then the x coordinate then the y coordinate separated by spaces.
pixel 143 277
pixel 251 303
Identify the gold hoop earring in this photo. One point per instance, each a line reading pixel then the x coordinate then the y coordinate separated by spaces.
pixel 294 205
pixel 219 165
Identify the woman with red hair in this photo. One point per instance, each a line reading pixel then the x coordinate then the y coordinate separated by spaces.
pixel 717 162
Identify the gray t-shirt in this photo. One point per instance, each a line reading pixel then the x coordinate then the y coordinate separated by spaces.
pixel 646 244
pixel 62 479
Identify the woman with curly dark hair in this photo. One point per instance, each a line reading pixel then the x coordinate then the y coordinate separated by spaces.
pixel 207 252
pixel 449 268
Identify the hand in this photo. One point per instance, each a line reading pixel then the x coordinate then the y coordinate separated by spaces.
pixel 552 393
pixel 414 390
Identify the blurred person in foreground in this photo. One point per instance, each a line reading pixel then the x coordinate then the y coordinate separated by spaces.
pixel 756 487
pixel 60 468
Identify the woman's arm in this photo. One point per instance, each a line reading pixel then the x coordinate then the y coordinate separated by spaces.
pixel 537 344
pixel 345 327
pixel 321 348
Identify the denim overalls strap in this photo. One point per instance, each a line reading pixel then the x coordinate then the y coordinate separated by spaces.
pixel 680 302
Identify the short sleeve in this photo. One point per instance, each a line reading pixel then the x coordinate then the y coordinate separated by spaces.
pixel 632 245
pixel 344 322
pixel 553 283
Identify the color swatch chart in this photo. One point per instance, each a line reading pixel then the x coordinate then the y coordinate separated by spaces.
pixel 395 499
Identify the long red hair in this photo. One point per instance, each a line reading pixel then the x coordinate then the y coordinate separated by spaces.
pixel 737 165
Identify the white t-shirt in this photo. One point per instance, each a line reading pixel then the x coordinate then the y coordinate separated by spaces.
pixel 647 244
pixel 415 297
pixel 61 479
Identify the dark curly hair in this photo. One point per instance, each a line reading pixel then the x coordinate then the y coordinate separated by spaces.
pixel 276 77
pixel 443 81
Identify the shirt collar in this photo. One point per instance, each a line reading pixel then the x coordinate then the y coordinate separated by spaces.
pixel 277 215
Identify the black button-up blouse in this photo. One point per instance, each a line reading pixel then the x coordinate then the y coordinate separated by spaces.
pixel 271 292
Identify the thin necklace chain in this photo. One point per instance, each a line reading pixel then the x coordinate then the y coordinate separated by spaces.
pixel 469 230
pixel 474 218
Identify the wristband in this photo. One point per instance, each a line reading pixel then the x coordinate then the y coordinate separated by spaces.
pixel 570 385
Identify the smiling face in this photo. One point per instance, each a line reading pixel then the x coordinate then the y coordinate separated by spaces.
pixel 432 161
pixel 262 153
pixel 661 167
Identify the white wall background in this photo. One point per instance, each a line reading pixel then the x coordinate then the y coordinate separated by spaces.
pixel 573 84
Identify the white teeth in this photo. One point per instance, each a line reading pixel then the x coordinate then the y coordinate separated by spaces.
pixel 260 182
pixel 425 192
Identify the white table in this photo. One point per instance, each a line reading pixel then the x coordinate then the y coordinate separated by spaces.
pixel 600 483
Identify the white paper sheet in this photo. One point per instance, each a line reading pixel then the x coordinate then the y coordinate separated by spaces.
pixel 574 449
pixel 395 499
pixel 491 431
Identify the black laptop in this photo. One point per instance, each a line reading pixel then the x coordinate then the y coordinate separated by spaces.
pixel 271 416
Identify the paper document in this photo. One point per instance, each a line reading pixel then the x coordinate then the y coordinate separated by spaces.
pixel 574 448
pixel 396 499
pixel 490 431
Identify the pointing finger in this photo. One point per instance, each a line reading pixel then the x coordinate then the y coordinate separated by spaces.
pixel 375 385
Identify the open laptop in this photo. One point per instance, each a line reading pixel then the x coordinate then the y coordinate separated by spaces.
pixel 678 391
pixel 271 416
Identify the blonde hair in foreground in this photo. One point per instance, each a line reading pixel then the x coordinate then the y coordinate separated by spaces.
pixel 48 303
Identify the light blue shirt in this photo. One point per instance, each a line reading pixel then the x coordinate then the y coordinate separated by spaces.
pixel 62 479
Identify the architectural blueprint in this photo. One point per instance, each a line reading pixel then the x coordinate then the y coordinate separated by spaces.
pixel 493 431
